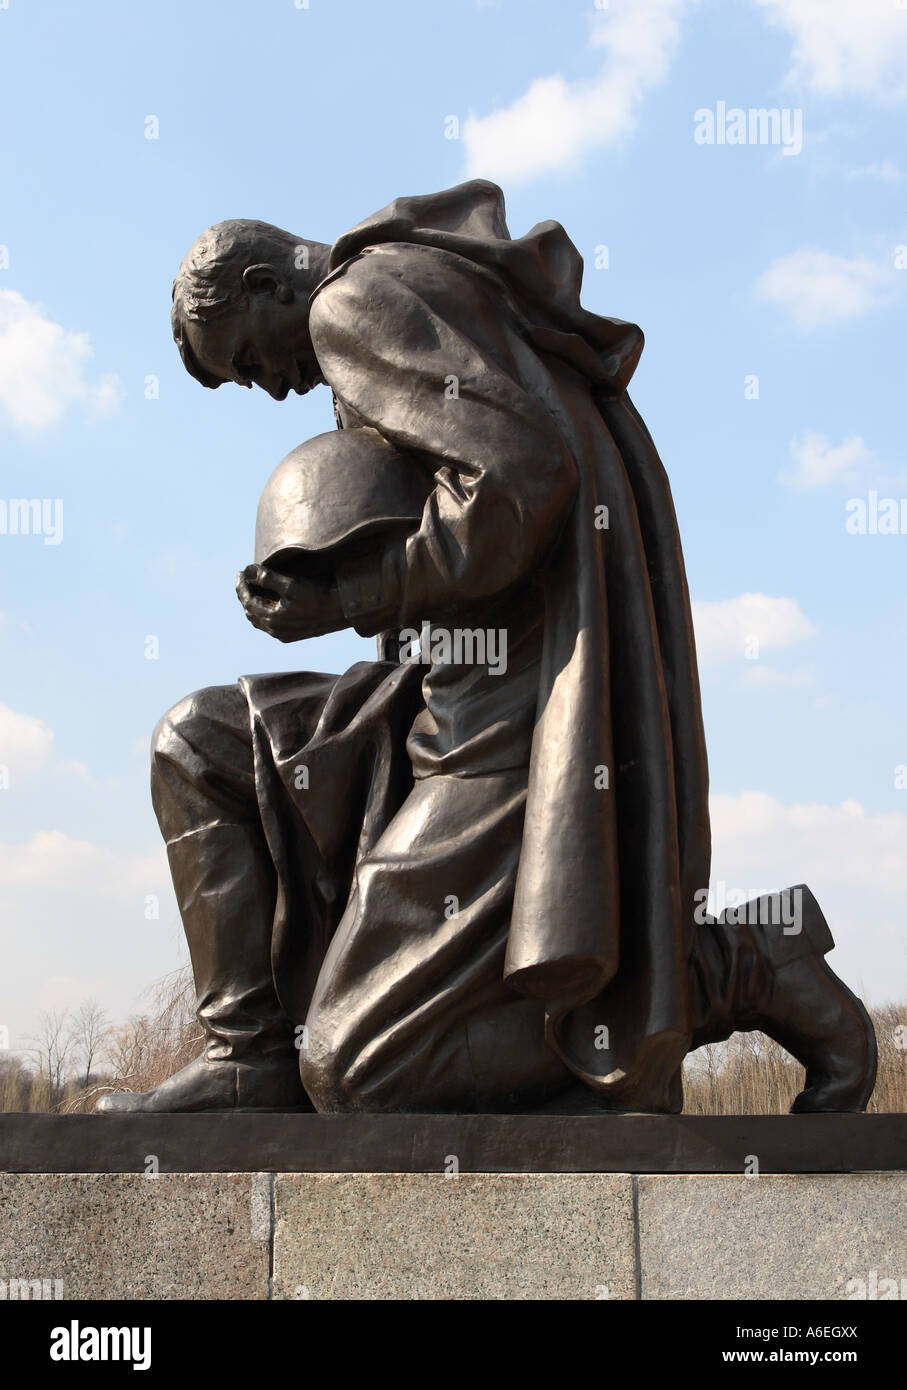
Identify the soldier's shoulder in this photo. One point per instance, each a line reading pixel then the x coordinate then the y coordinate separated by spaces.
pixel 410 262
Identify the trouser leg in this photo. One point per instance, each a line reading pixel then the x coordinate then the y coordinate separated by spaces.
pixel 410 1011
pixel 203 792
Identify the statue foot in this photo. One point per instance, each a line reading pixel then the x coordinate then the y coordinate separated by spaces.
pixel 751 975
pixel 815 1017
pixel 271 1084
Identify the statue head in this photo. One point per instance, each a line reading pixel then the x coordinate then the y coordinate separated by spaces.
pixel 241 307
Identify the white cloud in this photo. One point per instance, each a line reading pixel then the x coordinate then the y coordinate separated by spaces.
pixel 26 743
pixel 884 171
pixel 817 462
pixel 842 843
pixel 73 768
pixel 74 926
pixel 61 992
pixel 855 863
pixel 555 122
pixel 42 367
pixel 76 867
pixel 843 47
pixel 758 674
pixel 818 288
pixel 725 627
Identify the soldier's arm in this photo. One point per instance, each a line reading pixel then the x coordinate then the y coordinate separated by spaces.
pixel 418 347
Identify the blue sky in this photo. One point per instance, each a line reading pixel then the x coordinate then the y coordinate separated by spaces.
pixel 738 260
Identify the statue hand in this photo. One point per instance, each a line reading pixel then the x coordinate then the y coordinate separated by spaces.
pixel 288 609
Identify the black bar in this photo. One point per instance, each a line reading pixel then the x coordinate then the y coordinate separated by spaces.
pixel 294 1143
pixel 257 1343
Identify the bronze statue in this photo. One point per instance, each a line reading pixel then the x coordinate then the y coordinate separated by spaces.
pixel 463 877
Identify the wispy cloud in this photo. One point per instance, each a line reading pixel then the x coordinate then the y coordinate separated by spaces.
pixel 817 288
pixel 845 47
pixel 770 678
pixel 882 171
pixel 556 122
pixel 818 462
pixel 726 629
pixel 854 861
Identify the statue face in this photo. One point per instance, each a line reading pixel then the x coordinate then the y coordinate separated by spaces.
pixel 266 344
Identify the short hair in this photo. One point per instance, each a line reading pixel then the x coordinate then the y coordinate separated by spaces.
pixel 209 281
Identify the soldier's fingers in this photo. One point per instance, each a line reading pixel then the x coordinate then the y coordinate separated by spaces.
pixel 264 578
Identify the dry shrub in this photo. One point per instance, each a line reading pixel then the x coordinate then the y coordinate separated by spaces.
pixel 748 1075
pixel 752 1075
pixel 150 1047
pixel 15 1083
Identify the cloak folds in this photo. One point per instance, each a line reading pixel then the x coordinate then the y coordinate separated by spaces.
pixel 544 437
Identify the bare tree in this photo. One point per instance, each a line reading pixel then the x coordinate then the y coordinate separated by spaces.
pixel 146 1049
pixel 51 1048
pixel 87 1032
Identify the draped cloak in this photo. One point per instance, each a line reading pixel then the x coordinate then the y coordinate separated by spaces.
pixel 615 840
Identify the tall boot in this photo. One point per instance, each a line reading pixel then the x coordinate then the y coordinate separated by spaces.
pixel 225 886
pixel 765 970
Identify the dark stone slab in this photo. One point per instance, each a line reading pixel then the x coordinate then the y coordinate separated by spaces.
pixel 302 1143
